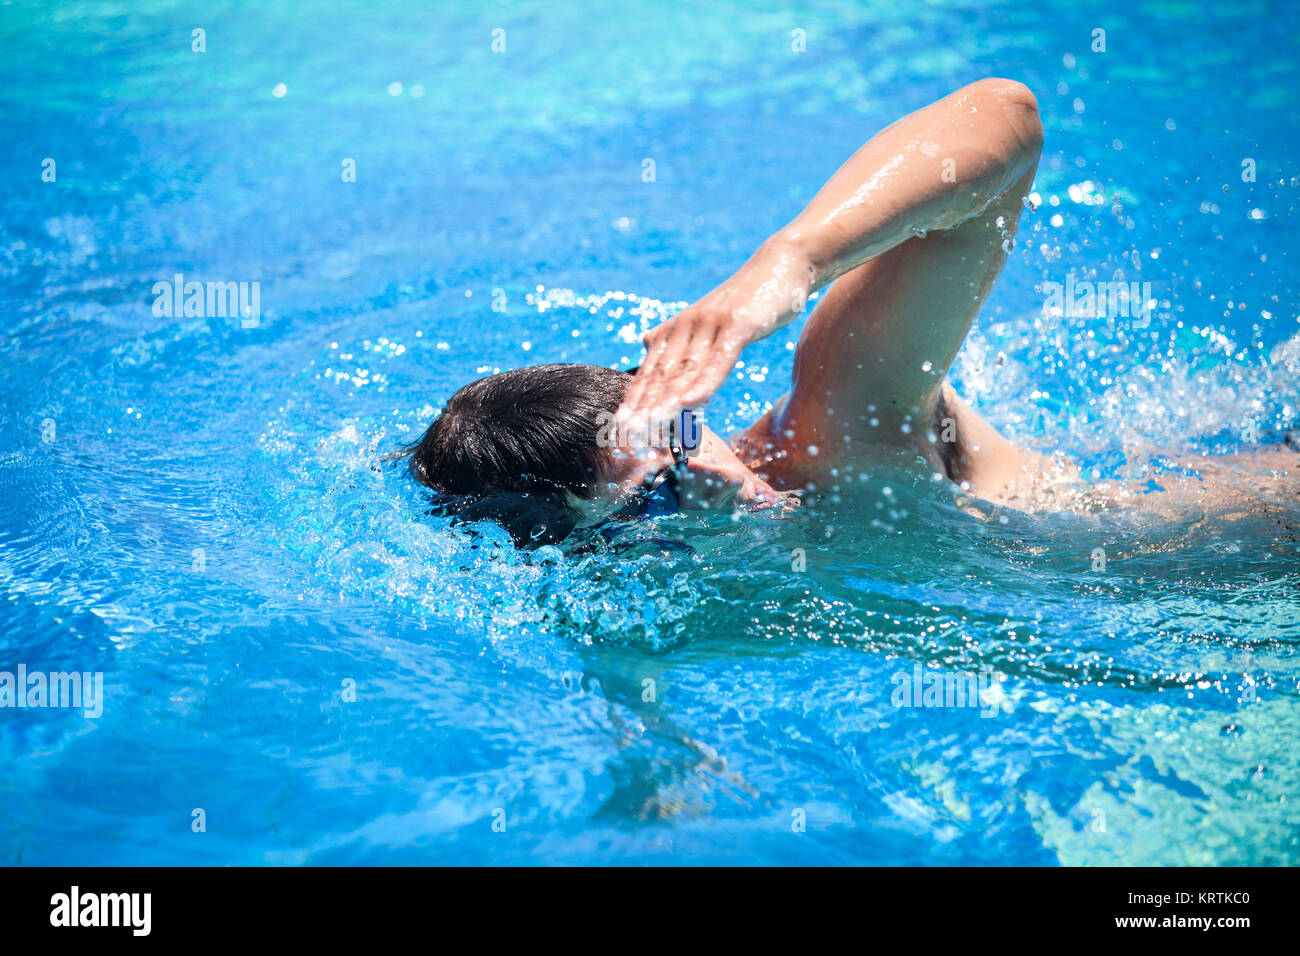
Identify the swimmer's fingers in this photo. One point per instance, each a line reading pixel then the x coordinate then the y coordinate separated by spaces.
pixel 687 360
pixel 659 356
pixel 668 347
pixel 717 357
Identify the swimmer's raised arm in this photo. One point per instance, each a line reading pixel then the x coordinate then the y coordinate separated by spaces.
pixel 928 172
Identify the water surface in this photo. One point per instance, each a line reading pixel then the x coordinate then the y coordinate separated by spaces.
pixel 289 643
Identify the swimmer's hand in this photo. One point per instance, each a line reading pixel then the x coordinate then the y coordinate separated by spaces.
pixel 690 356
pixel 716 478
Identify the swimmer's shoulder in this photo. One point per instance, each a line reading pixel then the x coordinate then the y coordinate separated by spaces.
pixel 976 456
pixel 762 449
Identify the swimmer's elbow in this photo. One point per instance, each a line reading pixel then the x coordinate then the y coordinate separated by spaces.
pixel 1007 92
pixel 1016 105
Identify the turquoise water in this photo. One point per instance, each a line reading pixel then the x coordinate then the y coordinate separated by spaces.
pixel 291 645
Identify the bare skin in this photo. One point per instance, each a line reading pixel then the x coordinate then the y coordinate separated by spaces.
pixel 913 227
pixel 913 231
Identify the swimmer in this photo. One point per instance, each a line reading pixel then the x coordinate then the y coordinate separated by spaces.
pixel 912 231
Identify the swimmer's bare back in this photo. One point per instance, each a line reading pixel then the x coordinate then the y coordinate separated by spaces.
pixel 913 230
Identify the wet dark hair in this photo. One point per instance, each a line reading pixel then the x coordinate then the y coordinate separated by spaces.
pixel 509 446
pixel 529 429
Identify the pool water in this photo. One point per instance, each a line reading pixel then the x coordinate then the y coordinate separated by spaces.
pixel 301 666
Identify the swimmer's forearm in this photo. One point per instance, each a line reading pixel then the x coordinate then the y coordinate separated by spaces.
pixel 929 171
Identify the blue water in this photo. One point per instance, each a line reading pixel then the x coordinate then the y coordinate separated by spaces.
pixel 291 646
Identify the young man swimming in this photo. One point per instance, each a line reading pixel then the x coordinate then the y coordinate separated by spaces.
pixel 913 231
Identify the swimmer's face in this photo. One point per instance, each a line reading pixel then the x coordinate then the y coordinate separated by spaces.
pixel 714 478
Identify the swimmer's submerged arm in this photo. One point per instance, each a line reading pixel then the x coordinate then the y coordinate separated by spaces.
pixel 929 172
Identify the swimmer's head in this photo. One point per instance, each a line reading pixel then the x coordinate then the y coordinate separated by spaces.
pixel 527 430
pixel 545 430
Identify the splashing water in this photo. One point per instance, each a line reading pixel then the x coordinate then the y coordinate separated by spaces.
pixel 290 642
